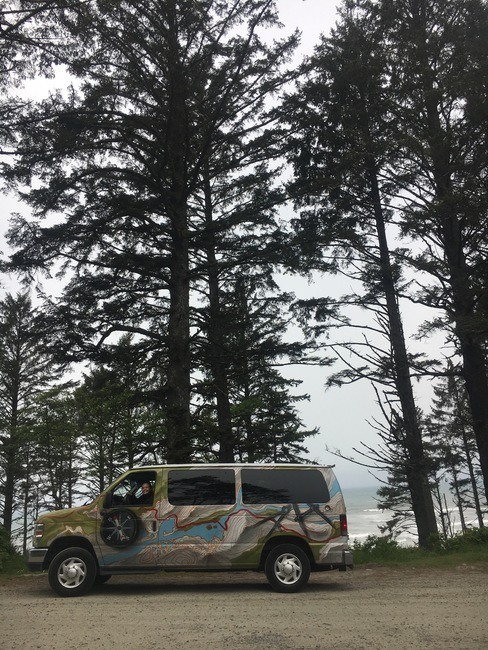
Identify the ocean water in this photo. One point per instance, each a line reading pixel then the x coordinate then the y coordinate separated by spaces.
pixel 364 517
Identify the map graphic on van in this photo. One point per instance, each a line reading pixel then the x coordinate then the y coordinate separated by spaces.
pixel 285 520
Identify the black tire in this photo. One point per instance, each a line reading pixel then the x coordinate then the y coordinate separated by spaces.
pixel 287 568
pixel 72 572
pixel 119 528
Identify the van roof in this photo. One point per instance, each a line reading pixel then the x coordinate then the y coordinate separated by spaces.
pixel 254 465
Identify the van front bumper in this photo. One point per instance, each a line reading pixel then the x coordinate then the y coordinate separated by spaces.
pixel 35 559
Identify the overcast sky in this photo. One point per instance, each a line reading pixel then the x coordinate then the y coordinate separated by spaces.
pixel 311 17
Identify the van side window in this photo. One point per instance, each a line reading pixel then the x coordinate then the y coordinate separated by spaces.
pixel 201 487
pixel 261 486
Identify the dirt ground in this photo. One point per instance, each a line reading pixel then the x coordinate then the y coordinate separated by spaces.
pixel 373 608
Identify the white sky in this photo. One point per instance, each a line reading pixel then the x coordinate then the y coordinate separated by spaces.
pixel 311 17
pixel 340 414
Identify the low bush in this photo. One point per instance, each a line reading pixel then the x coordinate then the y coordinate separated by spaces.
pixel 376 549
pixel 9 558
pixel 469 540
pixel 468 547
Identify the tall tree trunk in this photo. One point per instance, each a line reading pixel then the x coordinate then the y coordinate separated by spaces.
pixel 472 478
pixel 451 233
pixel 442 513
pixel 26 500
pixel 178 386
pixel 8 503
pixel 474 374
pixel 417 472
pixel 459 500
pixel 11 454
pixel 219 362
pixel 178 377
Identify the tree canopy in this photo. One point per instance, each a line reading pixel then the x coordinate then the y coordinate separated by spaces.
pixel 158 182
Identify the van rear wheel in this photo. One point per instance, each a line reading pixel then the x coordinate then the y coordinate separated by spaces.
pixel 287 568
pixel 72 572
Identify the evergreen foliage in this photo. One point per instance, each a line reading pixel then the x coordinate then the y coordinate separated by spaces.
pixel 155 181
pixel 26 367
pixel 160 122
pixel 343 182
pixel 453 441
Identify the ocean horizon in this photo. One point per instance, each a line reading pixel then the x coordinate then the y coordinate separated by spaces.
pixel 364 517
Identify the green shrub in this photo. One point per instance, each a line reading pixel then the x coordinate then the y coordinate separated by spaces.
pixel 469 540
pixel 374 549
pixel 472 546
pixel 7 551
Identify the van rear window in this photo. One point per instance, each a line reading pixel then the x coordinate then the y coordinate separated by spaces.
pixel 201 487
pixel 261 486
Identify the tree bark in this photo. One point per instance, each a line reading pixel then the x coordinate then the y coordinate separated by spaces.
pixel 417 473
pixel 219 362
pixel 178 386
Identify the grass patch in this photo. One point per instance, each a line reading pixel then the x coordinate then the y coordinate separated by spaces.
pixel 468 548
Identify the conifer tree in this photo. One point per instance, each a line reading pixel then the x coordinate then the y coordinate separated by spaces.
pixel 342 151
pixel 265 417
pixel 265 423
pixel 56 468
pixel 26 367
pixel 437 58
pixel 119 420
pixel 451 430
pixel 160 89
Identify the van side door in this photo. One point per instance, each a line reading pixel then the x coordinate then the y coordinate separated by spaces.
pixel 196 517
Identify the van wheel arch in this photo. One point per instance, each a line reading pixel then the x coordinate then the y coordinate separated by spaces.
pixel 72 571
pixel 285 539
pixel 61 543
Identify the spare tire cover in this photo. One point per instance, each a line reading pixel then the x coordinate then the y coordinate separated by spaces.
pixel 119 528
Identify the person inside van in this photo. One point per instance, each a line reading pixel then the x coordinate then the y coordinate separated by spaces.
pixel 147 496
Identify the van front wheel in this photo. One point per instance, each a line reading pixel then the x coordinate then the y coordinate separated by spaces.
pixel 287 568
pixel 72 572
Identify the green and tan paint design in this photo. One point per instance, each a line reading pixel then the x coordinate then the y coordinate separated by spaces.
pixel 205 537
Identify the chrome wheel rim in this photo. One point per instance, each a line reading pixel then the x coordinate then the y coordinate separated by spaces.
pixel 72 572
pixel 288 568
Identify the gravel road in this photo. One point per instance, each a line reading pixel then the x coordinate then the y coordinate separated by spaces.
pixel 373 608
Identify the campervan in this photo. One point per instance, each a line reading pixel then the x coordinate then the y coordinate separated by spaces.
pixel 285 520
